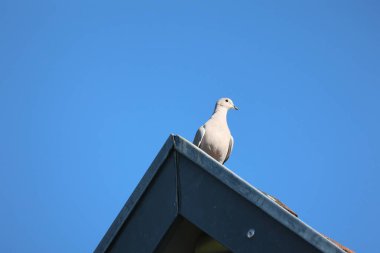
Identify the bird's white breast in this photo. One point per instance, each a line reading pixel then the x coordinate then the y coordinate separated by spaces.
pixel 216 140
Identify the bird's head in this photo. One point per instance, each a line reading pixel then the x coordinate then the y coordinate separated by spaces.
pixel 226 103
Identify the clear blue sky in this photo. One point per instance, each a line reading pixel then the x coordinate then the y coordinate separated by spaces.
pixel 79 80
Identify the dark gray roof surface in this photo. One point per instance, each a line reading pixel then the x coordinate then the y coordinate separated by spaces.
pixel 230 179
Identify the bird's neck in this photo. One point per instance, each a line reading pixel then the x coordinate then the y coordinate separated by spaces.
pixel 220 113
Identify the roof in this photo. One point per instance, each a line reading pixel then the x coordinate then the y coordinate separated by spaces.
pixel 183 181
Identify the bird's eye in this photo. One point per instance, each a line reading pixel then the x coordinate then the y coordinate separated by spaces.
pixel 227 100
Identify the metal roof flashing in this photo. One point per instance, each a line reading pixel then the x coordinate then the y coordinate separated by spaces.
pixel 253 195
pixel 227 178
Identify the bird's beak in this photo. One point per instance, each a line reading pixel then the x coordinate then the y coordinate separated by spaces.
pixel 236 108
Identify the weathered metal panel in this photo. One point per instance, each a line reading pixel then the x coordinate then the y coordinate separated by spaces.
pixel 153 214
pixel 227 217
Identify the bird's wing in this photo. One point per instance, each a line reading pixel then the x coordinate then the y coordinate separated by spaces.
pixel 199 136
pixel 230 147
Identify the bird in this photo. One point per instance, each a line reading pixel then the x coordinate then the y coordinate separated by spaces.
pixel 214 137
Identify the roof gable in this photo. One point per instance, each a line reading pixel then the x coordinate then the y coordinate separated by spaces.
pixel 183 182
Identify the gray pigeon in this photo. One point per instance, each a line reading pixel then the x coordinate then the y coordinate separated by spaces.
pixel 215 137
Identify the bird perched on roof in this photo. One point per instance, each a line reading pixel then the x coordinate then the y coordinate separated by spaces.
pixel 214 137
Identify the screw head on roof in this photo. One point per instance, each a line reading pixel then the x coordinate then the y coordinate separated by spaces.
pixel 250 233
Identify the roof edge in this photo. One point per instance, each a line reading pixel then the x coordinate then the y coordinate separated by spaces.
pixel 254 195
pixel 230 179
pixel 135 196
